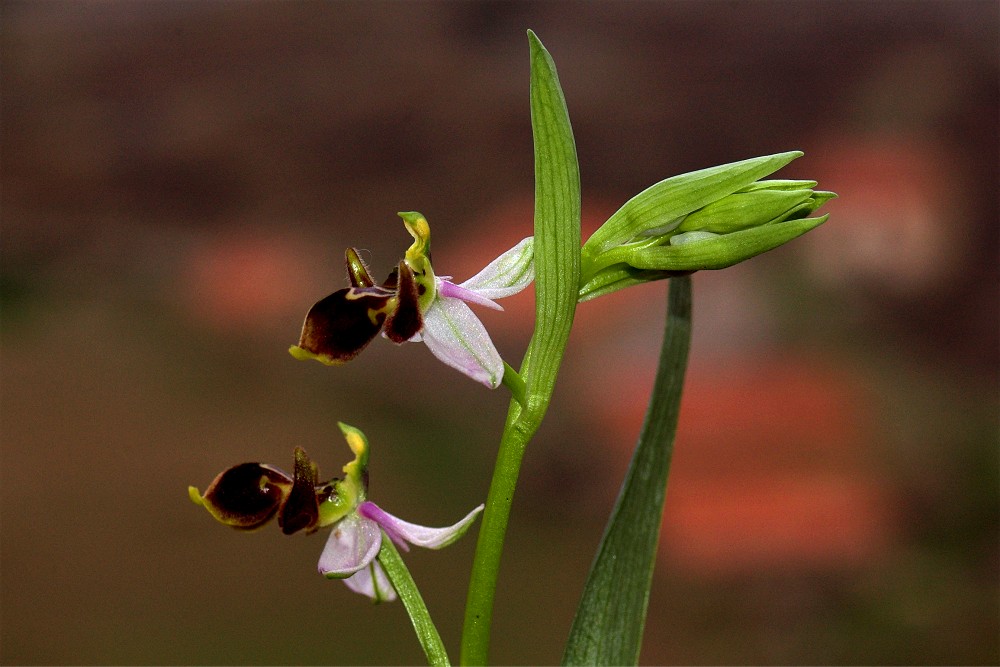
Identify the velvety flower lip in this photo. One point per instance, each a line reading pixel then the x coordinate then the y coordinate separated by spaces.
pixel 413 304
pixel 338 327
pixel 249 495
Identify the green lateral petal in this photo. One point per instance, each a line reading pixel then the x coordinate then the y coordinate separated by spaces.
pixel 668 200
pixel 405 320
pixel 357 271
pixel 338 327
pixel 301 509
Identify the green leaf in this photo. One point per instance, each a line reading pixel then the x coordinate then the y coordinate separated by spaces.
pixel 663 203
pixel 557 280
pixel 557 227
pixel 609 622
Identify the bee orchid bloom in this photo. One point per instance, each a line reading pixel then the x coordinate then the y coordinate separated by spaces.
pixel 249 495
pixel 413 304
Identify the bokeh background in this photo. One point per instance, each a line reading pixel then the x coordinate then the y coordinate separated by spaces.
pixel 180 180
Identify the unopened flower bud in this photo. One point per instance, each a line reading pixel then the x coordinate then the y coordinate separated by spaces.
pixel 708 219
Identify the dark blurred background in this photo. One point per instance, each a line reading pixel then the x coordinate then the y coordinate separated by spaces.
pixel 180 180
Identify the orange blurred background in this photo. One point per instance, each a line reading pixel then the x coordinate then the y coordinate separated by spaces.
pixel 180 181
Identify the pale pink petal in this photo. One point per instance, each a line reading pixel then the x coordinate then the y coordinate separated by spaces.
pixel 421 536
pixel 508 274
pixel 354 542
pixel 455 335
pixel 373 582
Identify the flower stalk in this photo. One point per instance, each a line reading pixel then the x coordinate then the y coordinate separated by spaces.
pixel 427 634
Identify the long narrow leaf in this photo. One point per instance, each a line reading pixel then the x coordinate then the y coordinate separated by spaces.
pixel 608 626
pixel 557 226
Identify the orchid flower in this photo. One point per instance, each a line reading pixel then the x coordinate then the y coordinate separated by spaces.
pixel 249 495
pixel 414 304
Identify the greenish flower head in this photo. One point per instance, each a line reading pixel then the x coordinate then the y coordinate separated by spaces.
pixel 707 219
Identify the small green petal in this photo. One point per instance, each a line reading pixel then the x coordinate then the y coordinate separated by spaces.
pixel 357 271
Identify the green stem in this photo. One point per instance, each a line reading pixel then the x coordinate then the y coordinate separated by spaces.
pixel 489 548
pixel 401 580
pixel 557 284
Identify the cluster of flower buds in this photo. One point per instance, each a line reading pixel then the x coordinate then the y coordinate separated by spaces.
pixel 707 219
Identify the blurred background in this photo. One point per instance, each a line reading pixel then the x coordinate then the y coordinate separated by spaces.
pixel 180 180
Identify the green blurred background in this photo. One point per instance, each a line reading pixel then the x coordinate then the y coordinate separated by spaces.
pixel 180 180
